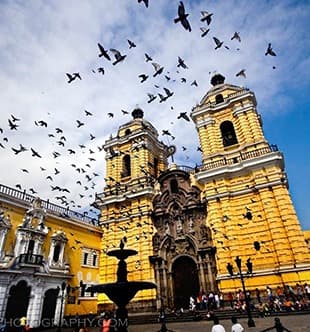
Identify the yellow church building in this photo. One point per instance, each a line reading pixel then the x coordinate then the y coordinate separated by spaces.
pixel 187 224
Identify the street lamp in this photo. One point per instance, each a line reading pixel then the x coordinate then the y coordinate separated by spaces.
pixel 63 287
pixel 249 265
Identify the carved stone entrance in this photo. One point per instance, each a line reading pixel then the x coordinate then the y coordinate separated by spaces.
pixel 185 281
pixel 183 255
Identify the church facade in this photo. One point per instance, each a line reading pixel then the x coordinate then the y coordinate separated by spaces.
pixel 189 225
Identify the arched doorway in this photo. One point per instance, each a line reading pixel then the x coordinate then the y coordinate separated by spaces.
pixel 185 280
pixel 49 305
pixel 18 300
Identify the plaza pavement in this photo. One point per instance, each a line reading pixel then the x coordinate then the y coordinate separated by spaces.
pixel 295 323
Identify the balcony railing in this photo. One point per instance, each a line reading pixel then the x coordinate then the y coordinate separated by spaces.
pixel 30 259
pixel 55 209
pixel 237 159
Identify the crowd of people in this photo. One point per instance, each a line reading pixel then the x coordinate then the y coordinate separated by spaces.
pixel 281 298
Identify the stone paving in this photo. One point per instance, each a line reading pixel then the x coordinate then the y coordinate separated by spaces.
pixel 295 323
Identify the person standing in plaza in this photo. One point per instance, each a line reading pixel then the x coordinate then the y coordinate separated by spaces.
pixel 217 327
pixel 236 327
pixel 277 326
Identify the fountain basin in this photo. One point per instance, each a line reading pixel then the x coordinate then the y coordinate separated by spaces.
pixel 122 292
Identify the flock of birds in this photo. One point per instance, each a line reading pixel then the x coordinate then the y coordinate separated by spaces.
pixel 86 176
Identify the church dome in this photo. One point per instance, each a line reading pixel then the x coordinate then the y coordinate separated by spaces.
pixel 217 79
pixel 137 113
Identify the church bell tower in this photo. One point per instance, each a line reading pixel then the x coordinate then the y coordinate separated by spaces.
pixel 134 159
pixel 250 211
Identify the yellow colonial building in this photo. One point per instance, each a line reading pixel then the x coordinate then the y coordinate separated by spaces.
pixel 49 255
pixel 189 224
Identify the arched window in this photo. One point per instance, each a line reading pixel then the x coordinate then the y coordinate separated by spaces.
pixel 219 99
pixel 228 133
pixel 127 132
pixel 174 188
pixel 56 253
pixel 126 166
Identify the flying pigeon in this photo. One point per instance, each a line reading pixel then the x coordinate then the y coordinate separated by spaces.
pixel 158 69
pixel 206 17
pixel 182 17
pixel 217 42
pixel 103 52
pixel 118 56
pixel 270 50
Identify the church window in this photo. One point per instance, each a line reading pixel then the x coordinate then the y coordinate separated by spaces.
pixel 94 260
pixel 174 188
pixel 127 132
pixel 85 258
pixel 56 253
pixel 126 166
pixel 228 133
pixel 219 99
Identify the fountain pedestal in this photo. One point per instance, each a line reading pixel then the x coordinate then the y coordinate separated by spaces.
pixel 122 291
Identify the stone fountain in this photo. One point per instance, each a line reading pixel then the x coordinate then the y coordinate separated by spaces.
pixel 122 291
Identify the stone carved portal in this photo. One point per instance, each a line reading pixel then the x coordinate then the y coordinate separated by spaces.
pixel 183 255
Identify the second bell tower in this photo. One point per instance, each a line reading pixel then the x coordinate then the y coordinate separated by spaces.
pixel 250 211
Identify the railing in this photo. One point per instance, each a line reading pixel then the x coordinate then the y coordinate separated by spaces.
pixel 30 259
pixel 51 207
pixel 242 156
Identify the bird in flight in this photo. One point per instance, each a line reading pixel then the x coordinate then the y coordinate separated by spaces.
pixel 41 123
pixel 101 70
pixel 236 36
pixel 241 73
pixel 181 63
pixel 87 113
pixel 143 78
pixel 35 153
pixel 103 52
pixel 217 42
pixel 184 116
pixel 151 98
pixel 206 17
pixel 118 56
pixel 131 43
pixel 270 50
pixel 14 119
pixel 146 2
pixel 12 125
pixel 21 149
pixel 194 83
pixel 147 57
pixel 182 17
pixel 204 31
pixel 73 76
pixel 158 69
pixel 79 123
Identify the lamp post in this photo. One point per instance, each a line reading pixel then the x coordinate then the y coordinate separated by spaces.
pixel 249 265
pixel 63 287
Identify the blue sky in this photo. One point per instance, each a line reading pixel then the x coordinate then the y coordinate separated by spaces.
pixel 42 41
